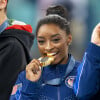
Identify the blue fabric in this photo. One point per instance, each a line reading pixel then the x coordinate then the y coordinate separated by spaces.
pixel 57 81
pixel 56 90
pixel 4 26
pixel 87 83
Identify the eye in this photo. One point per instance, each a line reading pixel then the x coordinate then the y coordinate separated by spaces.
pixel 41 41
pixel 56 40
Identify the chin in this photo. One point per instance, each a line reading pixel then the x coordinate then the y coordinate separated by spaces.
pixel 55 62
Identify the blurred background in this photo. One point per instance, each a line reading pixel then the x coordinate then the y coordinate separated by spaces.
pixel 83 14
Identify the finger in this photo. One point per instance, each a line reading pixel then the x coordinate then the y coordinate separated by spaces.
pixel 33 64
pixel 36 63
pixel 31 68
pixel 33 77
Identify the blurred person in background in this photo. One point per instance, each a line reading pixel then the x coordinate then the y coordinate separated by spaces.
pixel 87 84
pixel 54 81
pixel 15 43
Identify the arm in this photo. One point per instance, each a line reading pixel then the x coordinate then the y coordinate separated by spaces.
pixel 17 88
pixel 87 82
pixel 29 90
pixel 31 82
pixel 24 89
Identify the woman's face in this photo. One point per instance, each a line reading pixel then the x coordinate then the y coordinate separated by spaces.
pixel 52 39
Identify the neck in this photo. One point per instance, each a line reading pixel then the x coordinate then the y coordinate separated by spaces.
pixel 64 60
pixel 3 17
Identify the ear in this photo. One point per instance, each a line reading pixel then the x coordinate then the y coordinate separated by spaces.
pixel 3 4
pixel 69 39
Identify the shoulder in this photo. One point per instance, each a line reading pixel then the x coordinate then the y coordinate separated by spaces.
pixel 77 63
pixel 18 86
pixel 22 75
pixel 15 24
pixel 11 46
pixel 10 42
pixel 6 42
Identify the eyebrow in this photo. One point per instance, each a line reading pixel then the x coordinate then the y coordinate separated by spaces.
pixel 51 36
pixel 55 35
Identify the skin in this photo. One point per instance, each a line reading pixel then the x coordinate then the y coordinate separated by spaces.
pixel 95 38
pixel 3 16
pixel 51 39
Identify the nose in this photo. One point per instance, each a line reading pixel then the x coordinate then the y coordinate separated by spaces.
pixel 48 47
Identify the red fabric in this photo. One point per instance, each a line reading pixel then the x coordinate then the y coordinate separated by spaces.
pixel 21 27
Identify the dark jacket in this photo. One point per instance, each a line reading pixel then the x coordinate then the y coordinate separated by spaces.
pixel 15 45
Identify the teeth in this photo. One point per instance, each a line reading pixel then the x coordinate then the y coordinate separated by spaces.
pixel 50 54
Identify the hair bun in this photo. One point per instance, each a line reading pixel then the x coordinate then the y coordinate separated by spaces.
pixel 59 10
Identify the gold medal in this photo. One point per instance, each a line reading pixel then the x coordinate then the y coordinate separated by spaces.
pixel 45 61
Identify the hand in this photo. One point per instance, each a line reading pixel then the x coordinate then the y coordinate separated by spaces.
pixel 33 70
pixel 95 38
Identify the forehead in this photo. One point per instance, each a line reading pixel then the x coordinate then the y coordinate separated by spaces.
pixel 49 30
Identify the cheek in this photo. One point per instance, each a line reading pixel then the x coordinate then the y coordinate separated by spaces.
pixel 41 49
pixel 63 49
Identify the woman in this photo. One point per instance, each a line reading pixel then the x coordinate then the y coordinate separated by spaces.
pixel 54 81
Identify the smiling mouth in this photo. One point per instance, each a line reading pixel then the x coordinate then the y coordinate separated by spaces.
pixel 51 54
